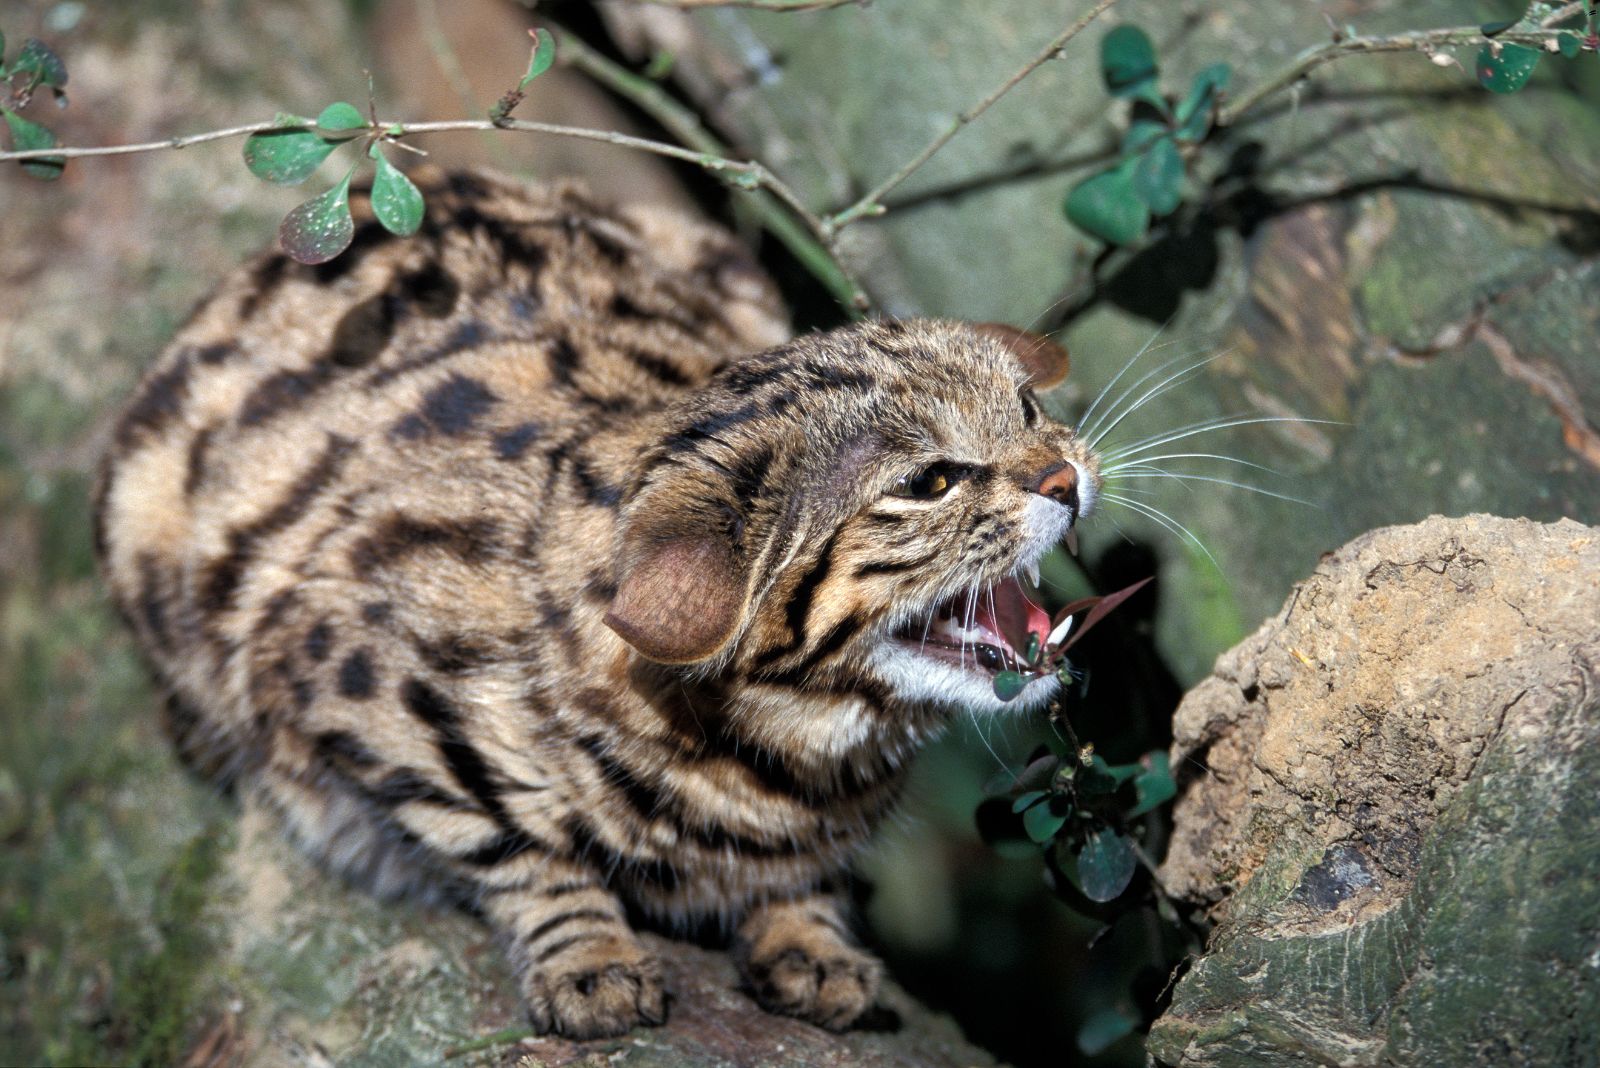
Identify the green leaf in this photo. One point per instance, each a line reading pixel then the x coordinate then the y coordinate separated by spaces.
pixel 1570 45
pixel 341 117
pixel 1105 865
pixel 28 136
pixel 1105 205
pixel 1490 29
pixel 1158 177
pixel 1041 822
pixel 1103 1028
pixel 1193 114
pixel 1141 134
pixel 1154 784
pixel 1509 71
pixel 287 156
pixel 1127 61
pixel 544 54
pixel 1007 684
pixel 321 228
pixel 395 200
pixel 1028 799
pixel 44 64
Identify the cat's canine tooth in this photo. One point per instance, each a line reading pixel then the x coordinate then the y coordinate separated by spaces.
pixel 1059 633
pixel 1072 540
pixel 1032 571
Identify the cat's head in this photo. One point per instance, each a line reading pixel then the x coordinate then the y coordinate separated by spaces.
pixel 856 509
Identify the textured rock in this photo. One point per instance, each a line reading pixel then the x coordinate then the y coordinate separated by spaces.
pixel 1393 807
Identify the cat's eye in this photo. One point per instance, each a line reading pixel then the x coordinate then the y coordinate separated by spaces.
pixel 931 482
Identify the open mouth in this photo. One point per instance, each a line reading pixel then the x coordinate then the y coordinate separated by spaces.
pixel 982 629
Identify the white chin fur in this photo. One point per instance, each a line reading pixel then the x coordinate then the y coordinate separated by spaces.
pixel 922 680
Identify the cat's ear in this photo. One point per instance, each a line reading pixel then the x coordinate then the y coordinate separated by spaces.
pixel 681 591
pixel 1046 361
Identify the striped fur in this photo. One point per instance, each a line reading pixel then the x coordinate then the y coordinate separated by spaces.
pixel 370 520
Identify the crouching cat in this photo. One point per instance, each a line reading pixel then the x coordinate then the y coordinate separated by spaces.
pixel 528 558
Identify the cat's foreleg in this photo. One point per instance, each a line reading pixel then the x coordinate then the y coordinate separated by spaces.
pixel 800 960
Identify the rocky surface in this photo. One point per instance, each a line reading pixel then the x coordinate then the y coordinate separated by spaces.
pixel 1392 806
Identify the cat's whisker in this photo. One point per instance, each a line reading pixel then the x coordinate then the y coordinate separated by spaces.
pixel 1172 381
pixel 1112 469
pixel 1220 482
pixel 1207 426
pixel 1167 521
pixel 1083 421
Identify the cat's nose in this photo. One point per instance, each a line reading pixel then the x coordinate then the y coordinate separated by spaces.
pixel 1059 482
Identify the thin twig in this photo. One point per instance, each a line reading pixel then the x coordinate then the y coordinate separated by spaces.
pixel 798 227
pixel 498 1038
pixel 144 146
pixel 758 5
pixel 1415 41
pixel 869 204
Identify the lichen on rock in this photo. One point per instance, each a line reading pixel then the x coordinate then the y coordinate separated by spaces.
pixel 1391 809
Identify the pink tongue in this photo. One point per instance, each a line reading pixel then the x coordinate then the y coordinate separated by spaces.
pixel 1013 615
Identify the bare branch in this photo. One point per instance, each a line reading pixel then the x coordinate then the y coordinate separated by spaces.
pixel 1416 41
pixel 758 5
pixel 870 203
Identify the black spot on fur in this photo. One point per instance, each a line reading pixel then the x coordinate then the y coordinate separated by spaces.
pixel 468 333
pixel 511 444
pixel 357 680
pixel 364 331
pixel 376 612
pixel 282 391
pixel 564 360
pixel 153 599
pixel 455 405
pixel 342 747
pixel 319 641
pixel 159 402
pixel 211 355
pixel 222 577
pixel 466 764
pixel 453 654
pixel 657 367
pixel 195 465
pixel 708 428
pixel 595 489
pixel 469 540
pixel 431 290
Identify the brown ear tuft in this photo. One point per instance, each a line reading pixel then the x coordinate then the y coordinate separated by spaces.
pixel 1046 361
pixel 681 600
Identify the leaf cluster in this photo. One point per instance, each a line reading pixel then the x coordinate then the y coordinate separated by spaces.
pixel 34 67
pixel 1117 203
pixel 296 146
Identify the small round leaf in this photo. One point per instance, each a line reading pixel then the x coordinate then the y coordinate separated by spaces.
pixel 1105 865
pixel 1106 206
pixel 287 156
pixel 1142 133
pixel 395 200
pixel 1154 784
pixel 29 136
pixel 1028 800
pixel 544 54
pixel 321 228
pixel 1042 822
pixel 1103 1028
pixel 1127 61
pixel 341 117
pixel 1508 71
pixel 1158 177
pixel 37 58
pixel 1007 684
pixel 1193 113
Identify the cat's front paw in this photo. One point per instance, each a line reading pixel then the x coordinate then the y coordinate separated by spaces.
pixel 810 972
pixel 597 989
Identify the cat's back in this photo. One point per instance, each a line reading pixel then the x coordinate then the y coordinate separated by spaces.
pixel 309 419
